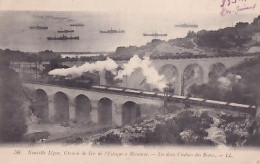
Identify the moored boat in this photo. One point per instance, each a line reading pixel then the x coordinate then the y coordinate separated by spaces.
pixel 184 25
pixel 38 27
pixel 77 24
pixel 154 34
pixel 111 31
pixel 63 37
pixel 65 31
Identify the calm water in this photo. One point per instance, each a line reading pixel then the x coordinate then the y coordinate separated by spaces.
pixel 15 33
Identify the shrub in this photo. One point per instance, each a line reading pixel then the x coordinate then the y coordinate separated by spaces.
pixel 110 138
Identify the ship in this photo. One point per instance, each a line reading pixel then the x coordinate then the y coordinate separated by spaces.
pixel 154 34
pixel 39 27
pixel 111 31
pixel 77 24
pixel 184 25
pixel 65 31
pixel 63 37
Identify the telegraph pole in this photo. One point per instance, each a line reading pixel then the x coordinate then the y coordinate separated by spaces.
pixel 168 90
pixel 36 66
pixel 182 85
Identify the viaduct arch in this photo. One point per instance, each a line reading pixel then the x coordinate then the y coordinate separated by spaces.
pixel 105 111
pixel 170 73
pixel 216 70
pixel 61 106
pixel 41 104
pixel 82 108
pixel 130 112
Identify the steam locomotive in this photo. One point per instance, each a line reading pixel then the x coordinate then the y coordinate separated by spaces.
pixel 77 82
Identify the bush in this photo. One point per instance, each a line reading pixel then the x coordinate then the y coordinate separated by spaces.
pixel 110 138
pixel 187 122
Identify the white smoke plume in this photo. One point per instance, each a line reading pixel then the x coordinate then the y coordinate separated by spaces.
pixel 196 72
pixel 128 68
pixel 150 73
pixel 224 82
pixel 173 79
pixel 109 65
pixel 228 81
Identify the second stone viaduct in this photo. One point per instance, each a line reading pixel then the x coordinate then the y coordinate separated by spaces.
pixel 175 71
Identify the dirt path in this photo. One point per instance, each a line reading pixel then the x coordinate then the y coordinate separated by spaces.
pixel 195 45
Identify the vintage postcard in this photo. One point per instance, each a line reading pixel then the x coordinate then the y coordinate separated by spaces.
pixel 130 81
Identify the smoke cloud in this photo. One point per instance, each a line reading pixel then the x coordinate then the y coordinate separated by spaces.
pixel 128 68
pixel 150 73
pixel 228 81
pixel 196 72
pixel 224 82
pixel 109 65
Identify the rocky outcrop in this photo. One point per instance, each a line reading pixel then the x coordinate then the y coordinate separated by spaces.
pixel 182 128
pixel 186 127
pixel 238 129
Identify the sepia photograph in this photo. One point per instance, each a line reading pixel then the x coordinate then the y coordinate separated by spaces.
pixel 117 74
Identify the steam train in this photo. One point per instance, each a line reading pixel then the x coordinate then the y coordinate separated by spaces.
pixel 77 82
pixel 89 82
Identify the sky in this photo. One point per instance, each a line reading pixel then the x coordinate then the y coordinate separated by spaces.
pixel 111 5
pixel 139 6
pixel 183 8
pixel 166 8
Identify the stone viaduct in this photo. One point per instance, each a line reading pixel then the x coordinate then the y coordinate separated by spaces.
pixel 110 105
pixel 175 71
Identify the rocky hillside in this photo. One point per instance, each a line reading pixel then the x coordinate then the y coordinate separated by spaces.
pixel 241 36
pixel 182 47
pixel 187 127
pixel 236 40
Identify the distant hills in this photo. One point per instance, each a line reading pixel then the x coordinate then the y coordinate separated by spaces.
pixel 18 56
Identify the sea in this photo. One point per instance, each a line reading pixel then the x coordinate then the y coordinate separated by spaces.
pixel 16 35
